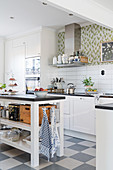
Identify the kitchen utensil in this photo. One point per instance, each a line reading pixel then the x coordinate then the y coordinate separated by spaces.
pixel 59 85
pixel 70 88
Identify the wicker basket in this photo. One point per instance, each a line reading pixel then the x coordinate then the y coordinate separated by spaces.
pixel 25 113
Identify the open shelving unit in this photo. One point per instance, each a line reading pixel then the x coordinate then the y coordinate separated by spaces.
pixel 19 144
pixel 16 124
pixel 33 147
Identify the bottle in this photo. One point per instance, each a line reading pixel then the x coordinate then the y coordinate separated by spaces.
pixel 59 59
pixel 54 60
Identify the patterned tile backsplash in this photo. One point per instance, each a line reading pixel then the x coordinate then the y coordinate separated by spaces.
pixel 91 37
pixel 61 43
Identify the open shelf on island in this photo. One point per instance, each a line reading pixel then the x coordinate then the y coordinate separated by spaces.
pixel 19 144
pixel 16 124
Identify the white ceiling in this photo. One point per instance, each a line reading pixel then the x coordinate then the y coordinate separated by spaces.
pixel 105 3
pixel 30 14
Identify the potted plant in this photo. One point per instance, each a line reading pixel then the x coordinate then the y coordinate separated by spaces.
pixel 2 86
pixel 88 83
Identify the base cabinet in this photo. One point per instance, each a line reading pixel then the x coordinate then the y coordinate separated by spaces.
pixel 79 114
pixel 67 113
pixel 82 118
pixel 66 122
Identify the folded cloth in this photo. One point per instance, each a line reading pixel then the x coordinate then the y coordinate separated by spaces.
pixel 45 135
pixel 55 142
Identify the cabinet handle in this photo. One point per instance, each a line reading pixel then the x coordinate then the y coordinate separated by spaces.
pixel 81 98
pixel 27 108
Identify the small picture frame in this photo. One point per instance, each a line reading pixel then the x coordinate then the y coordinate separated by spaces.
pixel 107 51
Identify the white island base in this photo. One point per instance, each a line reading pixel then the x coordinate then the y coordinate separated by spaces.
pixel 34 127
pixel 104 139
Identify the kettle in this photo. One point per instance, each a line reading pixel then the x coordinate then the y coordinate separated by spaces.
pixel 70 88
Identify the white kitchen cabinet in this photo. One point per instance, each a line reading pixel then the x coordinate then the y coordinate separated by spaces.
pixel 105 100
pixel 1 60
pixel 33 45
pixel 79 115
pixel 15 64
pixel 66 122
pixel 82 118
pixel 67 106
pixel 67 113
pixel 19 42
pixel 41 43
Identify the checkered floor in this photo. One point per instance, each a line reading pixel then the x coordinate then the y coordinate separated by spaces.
pixel 79 154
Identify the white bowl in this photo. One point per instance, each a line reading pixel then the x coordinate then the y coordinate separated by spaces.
pixel 41 93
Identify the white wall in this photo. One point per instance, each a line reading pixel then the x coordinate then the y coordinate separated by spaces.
pixel 48 50
pixel 2 60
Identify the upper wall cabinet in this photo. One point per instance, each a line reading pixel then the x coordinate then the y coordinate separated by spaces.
pixel 32 43
pixel 19 42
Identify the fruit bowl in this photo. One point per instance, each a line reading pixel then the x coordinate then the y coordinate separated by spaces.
pixel 40 93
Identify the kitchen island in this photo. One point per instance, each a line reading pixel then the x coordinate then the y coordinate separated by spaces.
pixel 34 101
pixel 104 136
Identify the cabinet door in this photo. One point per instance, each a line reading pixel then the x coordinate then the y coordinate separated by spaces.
pixel 67 114
pixel 19 42
pixel 83 115
pixel 19 67
pixel 15 63
pixel 33 45
pixel 67 122
pixel 67 106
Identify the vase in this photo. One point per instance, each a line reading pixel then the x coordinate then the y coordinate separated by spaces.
pixel 87 87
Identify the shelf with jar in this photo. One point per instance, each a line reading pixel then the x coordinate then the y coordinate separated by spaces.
pixel 74 60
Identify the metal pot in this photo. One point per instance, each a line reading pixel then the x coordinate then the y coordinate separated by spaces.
pixel 70 88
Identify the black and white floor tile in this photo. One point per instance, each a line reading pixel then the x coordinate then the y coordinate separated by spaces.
pixel 79 154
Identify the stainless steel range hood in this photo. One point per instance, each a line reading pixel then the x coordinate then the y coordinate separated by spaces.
pixel 72 38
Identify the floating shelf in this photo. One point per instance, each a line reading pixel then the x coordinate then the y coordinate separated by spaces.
pixel 76 64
